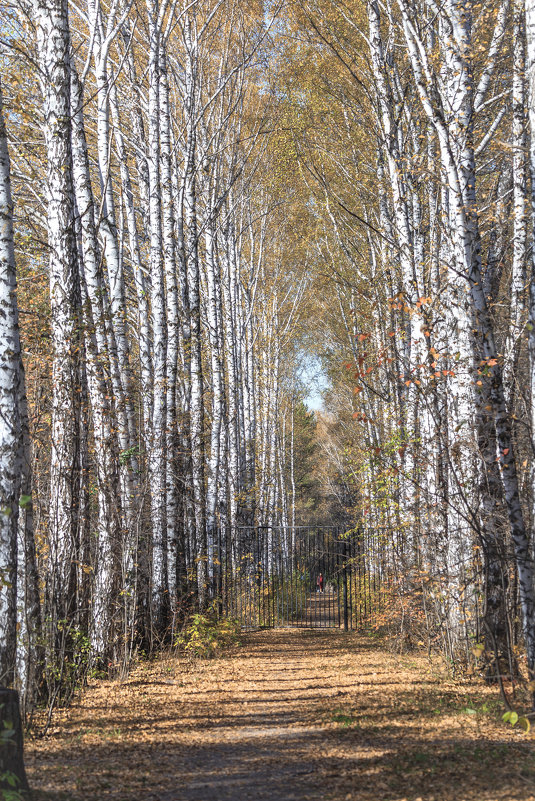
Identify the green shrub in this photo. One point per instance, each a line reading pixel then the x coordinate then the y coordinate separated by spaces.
pixel 206 634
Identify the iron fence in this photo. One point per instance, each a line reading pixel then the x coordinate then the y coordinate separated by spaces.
pixel 304 576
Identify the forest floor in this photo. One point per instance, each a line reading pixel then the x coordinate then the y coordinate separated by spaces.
pixel 291 715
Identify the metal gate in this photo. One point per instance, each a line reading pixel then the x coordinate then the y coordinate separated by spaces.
pixel 305 576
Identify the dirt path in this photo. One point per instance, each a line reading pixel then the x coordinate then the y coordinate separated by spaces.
pixel 294 714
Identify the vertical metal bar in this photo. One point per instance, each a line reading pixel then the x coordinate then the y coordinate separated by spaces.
pixel 316 555
pixel 240 581
pixel 365 575
pixel 320 557
pixel 351 568
pixel 230 568
pixel 297 546
pixel 374 573
pixel 298 583
pixel 309 608
pixel 277 581
pixel 302 577
pixel 306 582
pixel 344 577
pixel 332 560
pixel 306 544
pixel 319 607
pixel 282 616
pixel 331 557
pixel 295 573
pixel 327 537
pixel 278 585
pixel 267 574
pixel 340 564
pixel 325 609
pixel 352 586
pixel 370 577
pixel 304 586
pixel 259 563
pixel 322 609
pixel 219 593
pixel 274 576
pixel 271 573
pixel 233 567
pixel 275 586
pixel 306 570
pixel 325 604
pixel 362 565
pixel 228 577
pixel 338 577
pixel 284 578
pixel 265 578
pixel 263 575
pixel 315 562
pixel 281 579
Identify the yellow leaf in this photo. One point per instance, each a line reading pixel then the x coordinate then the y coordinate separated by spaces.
pixel 524 724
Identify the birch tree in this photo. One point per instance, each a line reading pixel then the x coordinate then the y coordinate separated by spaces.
pixel 11 444
pixel 53 41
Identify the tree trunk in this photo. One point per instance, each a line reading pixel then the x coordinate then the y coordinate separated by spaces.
pixel 11 466
pixel 12 774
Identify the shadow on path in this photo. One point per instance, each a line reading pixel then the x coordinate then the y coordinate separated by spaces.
pixel 293 715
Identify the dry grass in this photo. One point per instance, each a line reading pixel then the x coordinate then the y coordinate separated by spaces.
pixel 294 714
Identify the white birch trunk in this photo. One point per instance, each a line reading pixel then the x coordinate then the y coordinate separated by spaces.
pixel 519 144
pixel 193 277
pixel 107 569
pixel 53 42
pixel 11 466
pixel 172 309
pixel 157 438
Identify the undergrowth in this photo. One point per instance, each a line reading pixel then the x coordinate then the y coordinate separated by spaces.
pixel 206 634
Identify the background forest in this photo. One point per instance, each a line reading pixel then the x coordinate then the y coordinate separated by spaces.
pixel 198 201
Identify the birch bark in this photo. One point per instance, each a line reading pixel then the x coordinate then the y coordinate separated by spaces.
pixel 172 307
pixel 157 439
pixel 520 202
pixel 96 307
pixel 459 164
pixel 53 42
pixel 193 276
pixel 11 465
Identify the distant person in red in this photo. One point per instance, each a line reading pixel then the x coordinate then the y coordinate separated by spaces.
pixel 320 583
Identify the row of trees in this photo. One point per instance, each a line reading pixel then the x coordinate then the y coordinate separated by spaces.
pixel 205 193
pixel 415 126
pixel 161 298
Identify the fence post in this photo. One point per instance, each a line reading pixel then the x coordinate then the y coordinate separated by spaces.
pixel 219 574
pixel 344 574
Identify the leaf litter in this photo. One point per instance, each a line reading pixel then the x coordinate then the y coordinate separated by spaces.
pixel 293 714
